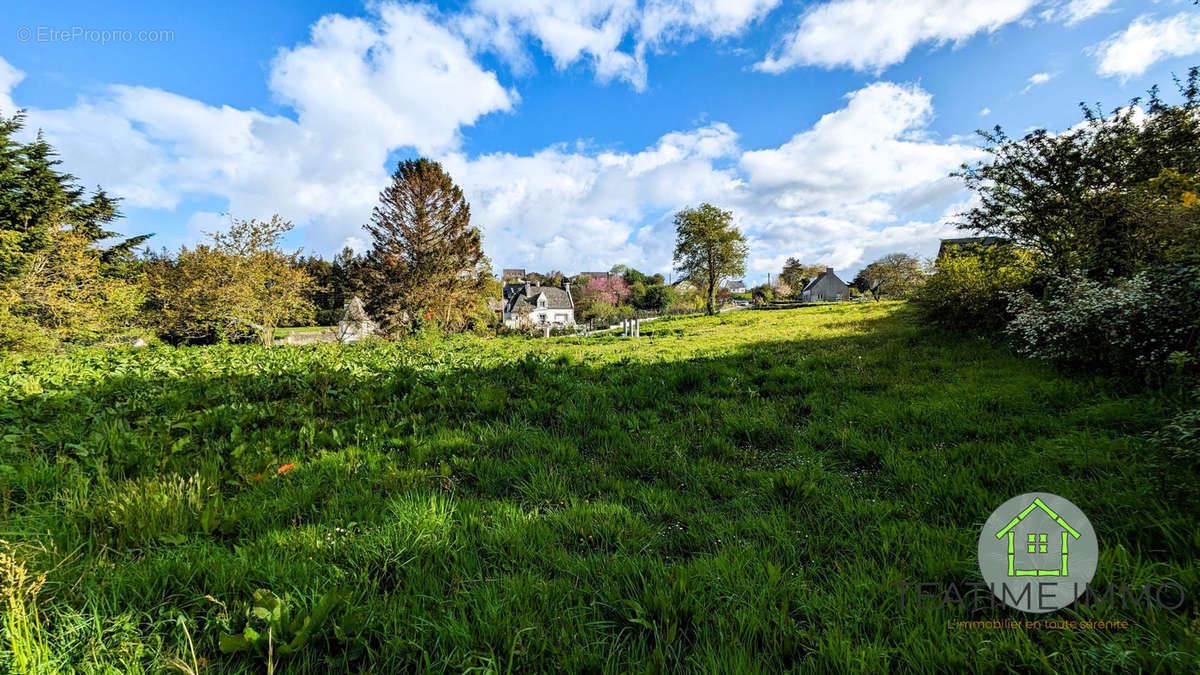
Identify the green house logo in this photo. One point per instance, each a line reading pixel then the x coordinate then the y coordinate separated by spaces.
pixel 1040 543
pixel 1037 552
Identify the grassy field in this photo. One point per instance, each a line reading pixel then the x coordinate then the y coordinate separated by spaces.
pixel 727 494
pixel 281 333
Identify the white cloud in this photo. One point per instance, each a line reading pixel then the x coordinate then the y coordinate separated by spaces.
pixel 985 112
pixel 594 31
pixel 874 34
pixel 685 19
pixel 404 79
pixel 574 208
pixel 360 89
pixel 1037 79
pixel 870 147
pixel 822 196
pixel 1147 41
pixel 836 193
pixel 1075 11
pixel 10 77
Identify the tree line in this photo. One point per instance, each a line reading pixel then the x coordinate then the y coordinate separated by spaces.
pixel 66 278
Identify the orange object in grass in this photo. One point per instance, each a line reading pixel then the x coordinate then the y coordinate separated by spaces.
pixel 287 467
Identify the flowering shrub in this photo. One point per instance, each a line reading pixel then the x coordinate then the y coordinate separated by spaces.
pixel 611 289
pixel 1132 326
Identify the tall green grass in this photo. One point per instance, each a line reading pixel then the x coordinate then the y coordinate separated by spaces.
pixel 727 494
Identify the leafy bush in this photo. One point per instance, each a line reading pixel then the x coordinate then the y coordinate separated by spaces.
pixel 968 287
pixel 1130 327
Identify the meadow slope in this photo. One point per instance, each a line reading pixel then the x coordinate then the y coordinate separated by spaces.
pixel 735 493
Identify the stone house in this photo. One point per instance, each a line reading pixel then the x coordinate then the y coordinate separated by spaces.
pixel 826 287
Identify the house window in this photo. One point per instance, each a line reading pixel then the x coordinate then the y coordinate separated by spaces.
pixel 560 318
pixel 1037 544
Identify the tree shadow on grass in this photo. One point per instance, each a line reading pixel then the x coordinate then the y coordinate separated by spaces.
pixel 652 491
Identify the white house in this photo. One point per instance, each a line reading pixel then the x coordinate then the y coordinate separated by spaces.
pixel 528 305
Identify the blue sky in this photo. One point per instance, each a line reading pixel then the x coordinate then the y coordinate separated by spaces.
pixel 576 129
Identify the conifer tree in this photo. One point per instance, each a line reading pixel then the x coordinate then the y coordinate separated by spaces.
pixel 427 263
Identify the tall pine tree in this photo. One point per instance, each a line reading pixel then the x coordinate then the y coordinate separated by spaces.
pixel 427 263
pixel 56 280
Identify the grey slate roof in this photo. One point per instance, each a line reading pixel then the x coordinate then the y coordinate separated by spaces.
pixel 827 286
pixel 519 302
pixel 512 289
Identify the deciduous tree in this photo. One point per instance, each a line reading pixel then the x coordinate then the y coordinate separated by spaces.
pixel 1076 197
pixel 896 275
pixel 239 283
pixel 795 274
pixel 57 280
pixel 709 249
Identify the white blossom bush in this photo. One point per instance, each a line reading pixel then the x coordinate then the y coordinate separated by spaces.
pixel 1131 327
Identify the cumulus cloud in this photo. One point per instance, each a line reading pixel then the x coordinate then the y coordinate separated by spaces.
pixel 10 77
pixel 825 195
pixel 594 31
pixel 361 88
pixel 1146 41
pixel 870 147
pixel 874 34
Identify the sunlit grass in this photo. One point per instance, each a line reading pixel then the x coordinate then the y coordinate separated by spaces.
pixel 735 493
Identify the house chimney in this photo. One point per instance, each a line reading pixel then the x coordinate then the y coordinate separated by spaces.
pixel 527 289
pixel 829 269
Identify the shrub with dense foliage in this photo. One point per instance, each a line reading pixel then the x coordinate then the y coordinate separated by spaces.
pixel 968 288
pixel 1109 211
pixel 1130 326
pixel 1086 199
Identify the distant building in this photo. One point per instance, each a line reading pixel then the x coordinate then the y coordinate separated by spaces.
pixel 738 286
pixel 969 242
pixel 827 287
pixel 530 305
pixel 512 274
